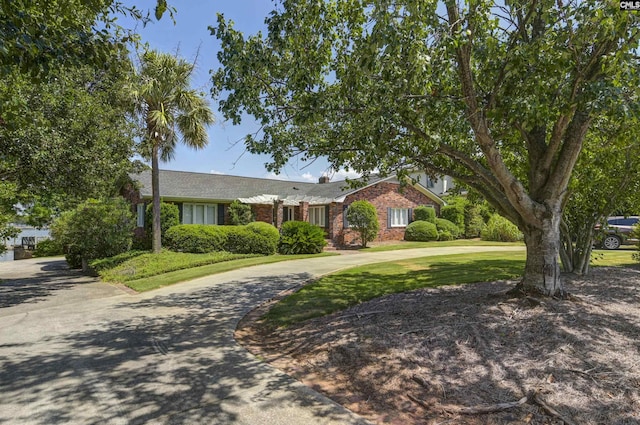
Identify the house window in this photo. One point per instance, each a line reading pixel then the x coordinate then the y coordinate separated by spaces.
pixel 289 214
pixel 399 217
pixel 199 213
pixel 316 216
pixel 140 215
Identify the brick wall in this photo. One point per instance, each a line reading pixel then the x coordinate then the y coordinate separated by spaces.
pixel 382 196
pixel 263 213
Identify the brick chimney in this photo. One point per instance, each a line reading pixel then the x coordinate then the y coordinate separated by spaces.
pixel 323 179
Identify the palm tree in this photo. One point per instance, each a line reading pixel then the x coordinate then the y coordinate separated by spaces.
pixel 169 111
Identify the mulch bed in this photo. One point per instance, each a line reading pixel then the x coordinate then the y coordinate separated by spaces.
pixel 469 354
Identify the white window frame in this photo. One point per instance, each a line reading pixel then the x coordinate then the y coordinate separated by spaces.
pixel 206 213
pixel 290 214
pixel 317 215
pixel 399 217
pixel 141 211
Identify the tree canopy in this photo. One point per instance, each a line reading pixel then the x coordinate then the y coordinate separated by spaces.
pixel 497 95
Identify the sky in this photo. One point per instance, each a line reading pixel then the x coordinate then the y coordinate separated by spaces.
pixel 190 37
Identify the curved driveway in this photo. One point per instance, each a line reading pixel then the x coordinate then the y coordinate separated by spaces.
pixel 77 351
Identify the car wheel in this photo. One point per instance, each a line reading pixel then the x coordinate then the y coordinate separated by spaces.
pixel 611 242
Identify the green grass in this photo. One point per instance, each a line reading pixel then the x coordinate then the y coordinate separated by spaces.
pixel 619 257
pixel 458 242
pixel 146 271
pixel 359 284
pixel 356 285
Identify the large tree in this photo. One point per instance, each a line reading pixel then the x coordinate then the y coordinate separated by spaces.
pixel 170 111
pixel 498 95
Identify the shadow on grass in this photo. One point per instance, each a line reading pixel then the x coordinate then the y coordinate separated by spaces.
pixel 337 292
pixel 470 348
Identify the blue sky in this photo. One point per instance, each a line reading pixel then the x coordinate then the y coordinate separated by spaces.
pixel 190 37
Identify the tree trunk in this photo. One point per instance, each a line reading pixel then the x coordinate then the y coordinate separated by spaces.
pixel 156 243
pixel 542 269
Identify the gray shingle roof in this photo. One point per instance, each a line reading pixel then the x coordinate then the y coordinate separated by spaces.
pixel 184 185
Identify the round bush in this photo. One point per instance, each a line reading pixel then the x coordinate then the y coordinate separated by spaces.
pixel 94 229
pixel 421 231
pixel 300 237
pixel 424 213
pixel 196 238
pixel 500 229
pixel 254 238
pixel 444 225
pixel 445 236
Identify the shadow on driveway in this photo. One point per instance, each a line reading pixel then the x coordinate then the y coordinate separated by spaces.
pixel 31 281
pixel 167 359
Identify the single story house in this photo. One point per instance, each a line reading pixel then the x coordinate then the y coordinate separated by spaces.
pixel 204 198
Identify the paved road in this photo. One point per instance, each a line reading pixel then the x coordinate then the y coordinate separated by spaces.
pixel 77 351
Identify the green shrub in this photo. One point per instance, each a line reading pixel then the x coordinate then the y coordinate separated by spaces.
pixel 48 248
pixel 500 229
pixel 239 213
pixel 454 213
pixel 445 236
pixel 264 229
pixel 196 238
pixel 424 213
pixel 475 217
pixel 444 225
pixel 421 231
pixel 112 262
pixel 94 229
pixel 300 237
pixel 474 227
pixel 363 218
pixel 255 238
pixel 169 217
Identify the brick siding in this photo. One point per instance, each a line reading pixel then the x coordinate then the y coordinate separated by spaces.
pixel 382 196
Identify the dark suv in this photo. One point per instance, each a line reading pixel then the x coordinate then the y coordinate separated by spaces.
pixel 618 230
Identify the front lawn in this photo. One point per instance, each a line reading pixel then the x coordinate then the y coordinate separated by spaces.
pixel 143 271
pixel 359 284
pixel 396 245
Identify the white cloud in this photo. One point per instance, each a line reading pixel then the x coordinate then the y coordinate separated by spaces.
pixel 216 172
pixel 341 174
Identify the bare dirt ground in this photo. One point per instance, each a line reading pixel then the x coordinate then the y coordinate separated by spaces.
pixel 447 355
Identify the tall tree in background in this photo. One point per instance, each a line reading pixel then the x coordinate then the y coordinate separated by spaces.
pixel 606 182
pixel 169 111
pixel 498 95
pixel 64 134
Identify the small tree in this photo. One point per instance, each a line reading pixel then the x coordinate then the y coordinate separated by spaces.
pixel 94 229
pixel 363 219
pixel 169 217
pixel 240 214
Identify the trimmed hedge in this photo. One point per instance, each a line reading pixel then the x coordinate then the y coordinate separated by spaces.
pixel 501 229
pixel 300 237
pixel 254 238
pixel 421 231
pixel 196 238
pixel 444 225
pixel 424 213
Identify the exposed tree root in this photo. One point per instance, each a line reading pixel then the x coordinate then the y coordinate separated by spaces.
pixel 471 410
pixel 551 411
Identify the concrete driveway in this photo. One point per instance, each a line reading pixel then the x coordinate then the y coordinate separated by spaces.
pixel 77 351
